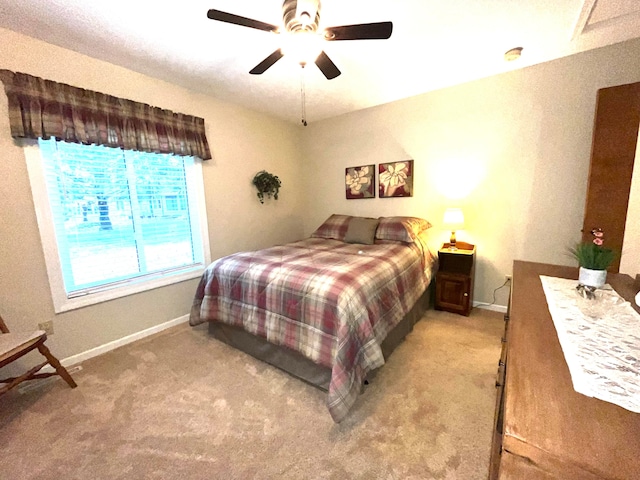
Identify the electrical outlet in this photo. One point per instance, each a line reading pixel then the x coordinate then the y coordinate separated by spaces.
pixel 47 327
pixel 507 278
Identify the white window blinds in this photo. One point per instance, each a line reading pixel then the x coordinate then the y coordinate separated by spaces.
pixel 120 216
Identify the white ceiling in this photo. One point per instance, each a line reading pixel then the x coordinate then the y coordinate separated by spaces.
pixel 435 43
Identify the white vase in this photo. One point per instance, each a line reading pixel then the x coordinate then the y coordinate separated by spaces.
pixel 592 278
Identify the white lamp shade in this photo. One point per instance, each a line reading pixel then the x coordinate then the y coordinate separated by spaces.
pixel 453 218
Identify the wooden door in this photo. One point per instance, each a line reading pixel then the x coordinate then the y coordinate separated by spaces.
pixel 613 150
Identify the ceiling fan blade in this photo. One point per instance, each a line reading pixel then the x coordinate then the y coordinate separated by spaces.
pixel 266 63
pixel 326 66
pixel 364 31
pixel 238 20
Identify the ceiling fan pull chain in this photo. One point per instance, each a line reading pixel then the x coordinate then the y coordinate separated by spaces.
pixel 303 97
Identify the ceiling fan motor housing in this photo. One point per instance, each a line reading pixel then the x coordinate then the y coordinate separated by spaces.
pixel 301 15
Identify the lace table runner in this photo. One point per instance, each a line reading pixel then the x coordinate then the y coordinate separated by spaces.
pixel 600 340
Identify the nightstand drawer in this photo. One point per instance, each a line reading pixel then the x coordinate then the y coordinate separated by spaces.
pixel 455 263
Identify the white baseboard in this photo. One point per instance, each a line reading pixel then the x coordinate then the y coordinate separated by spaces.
pixel 495 308
pixel 107 347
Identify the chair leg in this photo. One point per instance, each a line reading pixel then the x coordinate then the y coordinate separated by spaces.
pixel 12 382
pixel 60 370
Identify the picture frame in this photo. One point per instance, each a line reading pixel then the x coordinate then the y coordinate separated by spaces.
pixel 360 182
pixel 395 179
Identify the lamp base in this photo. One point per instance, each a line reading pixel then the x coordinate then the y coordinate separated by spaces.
pixel 452 242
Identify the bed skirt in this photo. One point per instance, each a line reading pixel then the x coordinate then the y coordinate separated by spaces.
pixel 301 367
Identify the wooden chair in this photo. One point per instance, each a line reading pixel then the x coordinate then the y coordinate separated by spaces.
pixel 15 345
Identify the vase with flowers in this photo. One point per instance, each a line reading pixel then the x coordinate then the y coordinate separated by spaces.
pixel 594 259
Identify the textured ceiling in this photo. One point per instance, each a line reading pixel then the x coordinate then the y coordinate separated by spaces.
pixel 434 44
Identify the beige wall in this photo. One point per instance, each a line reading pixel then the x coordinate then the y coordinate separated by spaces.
pixel 242 142
pixel 512 150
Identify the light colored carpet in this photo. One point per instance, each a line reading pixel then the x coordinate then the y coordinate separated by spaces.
pixel 182 405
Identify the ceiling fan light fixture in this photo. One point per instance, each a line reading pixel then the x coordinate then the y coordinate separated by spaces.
pixel 303 46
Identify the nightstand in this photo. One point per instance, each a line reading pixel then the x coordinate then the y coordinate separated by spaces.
pixel 454 280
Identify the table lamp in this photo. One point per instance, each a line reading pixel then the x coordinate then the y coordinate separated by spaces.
pixel 453 220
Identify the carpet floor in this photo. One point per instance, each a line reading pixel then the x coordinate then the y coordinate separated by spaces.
pixel 181 405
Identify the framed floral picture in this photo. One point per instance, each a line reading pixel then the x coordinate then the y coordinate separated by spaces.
pixel 360 182
pixel 395 179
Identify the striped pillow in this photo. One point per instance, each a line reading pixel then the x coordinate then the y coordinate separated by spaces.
pixel 402 229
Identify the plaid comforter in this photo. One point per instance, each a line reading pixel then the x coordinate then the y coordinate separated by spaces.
pixel 331 301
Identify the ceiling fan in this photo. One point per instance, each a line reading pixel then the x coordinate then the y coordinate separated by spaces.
pixel 302 37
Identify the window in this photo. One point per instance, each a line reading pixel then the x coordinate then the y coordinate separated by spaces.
pixel 115 222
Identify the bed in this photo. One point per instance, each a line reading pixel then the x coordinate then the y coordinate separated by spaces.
pixel 328 309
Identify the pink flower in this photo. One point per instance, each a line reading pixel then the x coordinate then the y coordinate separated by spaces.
pixel 598 241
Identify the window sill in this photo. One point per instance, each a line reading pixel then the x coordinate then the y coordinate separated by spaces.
pixel 63 304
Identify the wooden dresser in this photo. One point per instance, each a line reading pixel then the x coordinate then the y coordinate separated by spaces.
pixel 543 428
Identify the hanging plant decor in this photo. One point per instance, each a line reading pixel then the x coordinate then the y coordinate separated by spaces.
pixel 267 184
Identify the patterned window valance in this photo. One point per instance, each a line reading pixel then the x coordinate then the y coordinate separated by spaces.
pixel 43 108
